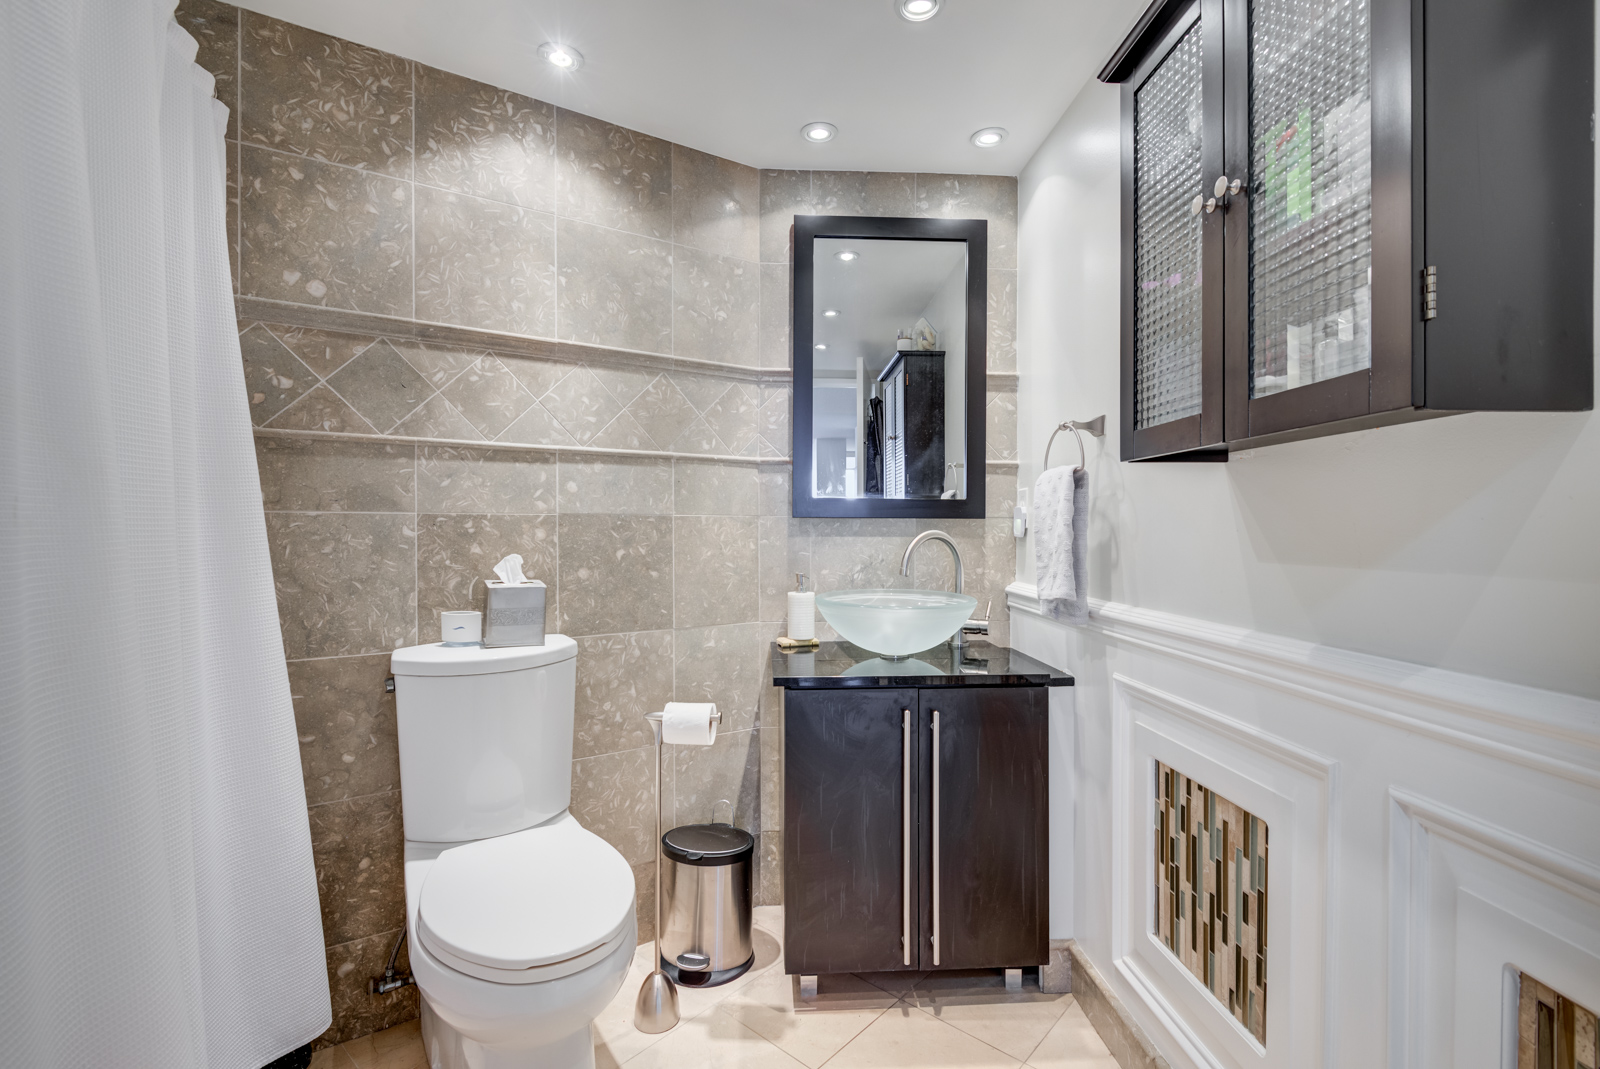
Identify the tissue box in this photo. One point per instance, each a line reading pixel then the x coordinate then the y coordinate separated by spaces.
pixel 514 615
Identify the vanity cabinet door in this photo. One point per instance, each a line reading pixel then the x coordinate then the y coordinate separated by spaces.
pixel 986 840
pixel 849 827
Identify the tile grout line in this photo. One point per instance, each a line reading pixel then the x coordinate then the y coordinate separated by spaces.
pixel 672 256
pixel 411 68
pixel 359 938
pixel 352 798
pixel 321 382
pixel 321 378
pixel 416 543
pixel 555 215
pixel 238 150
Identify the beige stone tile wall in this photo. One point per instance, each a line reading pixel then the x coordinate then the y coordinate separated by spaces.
pixel 365 183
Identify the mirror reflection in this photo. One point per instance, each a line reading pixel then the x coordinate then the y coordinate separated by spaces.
pixel 889 327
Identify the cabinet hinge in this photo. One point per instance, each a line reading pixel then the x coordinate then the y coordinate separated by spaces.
pixel 1430 293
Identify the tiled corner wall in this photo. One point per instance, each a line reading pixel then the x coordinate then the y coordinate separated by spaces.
pixel 474 324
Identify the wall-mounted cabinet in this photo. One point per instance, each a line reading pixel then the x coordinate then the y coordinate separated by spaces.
pixel 1345 213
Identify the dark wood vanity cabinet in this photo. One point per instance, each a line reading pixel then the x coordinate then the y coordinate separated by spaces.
pixel 1346 213
pixel 915 828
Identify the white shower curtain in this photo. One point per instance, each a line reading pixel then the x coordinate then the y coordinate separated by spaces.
pixel 158 906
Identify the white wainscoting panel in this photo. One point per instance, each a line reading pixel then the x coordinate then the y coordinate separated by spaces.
pixel 1472 904
pixel 1289 788
pixel 1428 831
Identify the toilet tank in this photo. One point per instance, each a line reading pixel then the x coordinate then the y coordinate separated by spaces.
pixel 485 737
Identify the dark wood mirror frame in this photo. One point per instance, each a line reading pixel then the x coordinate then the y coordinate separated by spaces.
pixel 975 232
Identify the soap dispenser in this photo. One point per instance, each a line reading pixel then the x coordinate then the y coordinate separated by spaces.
pixel 802 611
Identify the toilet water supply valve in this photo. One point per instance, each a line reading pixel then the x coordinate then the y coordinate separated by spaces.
pixel 391 980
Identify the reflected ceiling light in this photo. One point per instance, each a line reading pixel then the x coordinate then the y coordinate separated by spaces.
pixel 821 346
pixel 989 136
pixel 917 10
pixel 830 312
pixel 818 132
pixel 564 57
pixel 847 255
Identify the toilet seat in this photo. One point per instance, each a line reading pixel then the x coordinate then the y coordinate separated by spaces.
pixel 527 907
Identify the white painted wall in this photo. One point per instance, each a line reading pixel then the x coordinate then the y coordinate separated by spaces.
pixel 1470 542
pixel 1434 795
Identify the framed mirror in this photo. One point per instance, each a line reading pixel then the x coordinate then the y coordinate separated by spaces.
pixel 890 330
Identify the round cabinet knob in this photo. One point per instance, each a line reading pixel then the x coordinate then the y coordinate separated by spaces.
pixel 1198 205
pixel 1225 188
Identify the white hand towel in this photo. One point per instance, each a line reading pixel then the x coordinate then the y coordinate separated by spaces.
pixel 1060 543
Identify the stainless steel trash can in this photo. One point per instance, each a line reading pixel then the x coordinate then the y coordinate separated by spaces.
pixel 706 900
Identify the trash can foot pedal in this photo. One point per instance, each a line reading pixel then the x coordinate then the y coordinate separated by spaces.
pixel 701 978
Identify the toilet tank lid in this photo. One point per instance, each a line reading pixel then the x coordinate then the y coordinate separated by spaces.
pixel 437 659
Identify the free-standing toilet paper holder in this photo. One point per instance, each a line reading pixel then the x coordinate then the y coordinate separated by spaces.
pixel 656 1009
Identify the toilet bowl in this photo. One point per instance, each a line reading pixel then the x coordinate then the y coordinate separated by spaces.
pixel 520 921
pixel 483 1005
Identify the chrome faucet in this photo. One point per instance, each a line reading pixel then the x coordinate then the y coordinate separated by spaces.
pixel 981 627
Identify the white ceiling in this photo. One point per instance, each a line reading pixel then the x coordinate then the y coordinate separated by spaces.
pixel 738 78
pixel 877 295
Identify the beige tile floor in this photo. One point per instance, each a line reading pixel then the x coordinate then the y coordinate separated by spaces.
pixel 875 1021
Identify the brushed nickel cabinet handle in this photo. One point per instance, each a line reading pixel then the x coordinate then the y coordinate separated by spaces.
pixel 936 837
pixel 905 836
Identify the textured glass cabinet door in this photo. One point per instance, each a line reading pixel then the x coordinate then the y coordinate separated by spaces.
pixel 1168 141
pixel 1310 101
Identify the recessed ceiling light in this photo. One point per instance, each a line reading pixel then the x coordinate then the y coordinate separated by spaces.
pixel 821 346
pixel 917 10
pixel 989 136
pixel 818 132
pixel 847 255
pixel 564 57
pixel 830 312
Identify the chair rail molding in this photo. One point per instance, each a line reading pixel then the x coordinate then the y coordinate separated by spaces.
pixel 1542 730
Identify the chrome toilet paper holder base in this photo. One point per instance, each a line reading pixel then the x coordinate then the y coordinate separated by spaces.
pixel 656 1009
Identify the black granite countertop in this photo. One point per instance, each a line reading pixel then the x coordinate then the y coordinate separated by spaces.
pixel 840 664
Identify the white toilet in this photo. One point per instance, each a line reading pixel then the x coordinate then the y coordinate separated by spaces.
pixel 520 921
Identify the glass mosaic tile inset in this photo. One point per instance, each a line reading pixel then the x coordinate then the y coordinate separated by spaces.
pixel 1310 192
pixel 1166 149
pixel 1211 893
pixel 1553 1032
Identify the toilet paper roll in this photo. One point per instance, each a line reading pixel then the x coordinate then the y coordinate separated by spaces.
pixel 688 724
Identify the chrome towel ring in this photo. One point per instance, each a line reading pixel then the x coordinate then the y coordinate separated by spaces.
pixel 1096 427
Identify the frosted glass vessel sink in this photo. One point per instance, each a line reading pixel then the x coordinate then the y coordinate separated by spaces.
pixel 896 622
